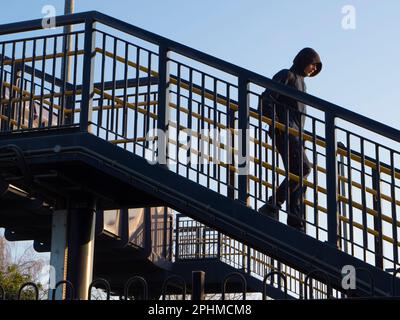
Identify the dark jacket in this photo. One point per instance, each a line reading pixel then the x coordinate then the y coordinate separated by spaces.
pixel 294 77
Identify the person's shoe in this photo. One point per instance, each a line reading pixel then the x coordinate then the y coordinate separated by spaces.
pixel 296 223
pixel 270 210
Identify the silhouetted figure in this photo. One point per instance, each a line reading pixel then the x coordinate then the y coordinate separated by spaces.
pixel 307 63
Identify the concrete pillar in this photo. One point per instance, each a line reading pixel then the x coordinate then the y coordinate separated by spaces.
pixel 81 238
pixel 58 251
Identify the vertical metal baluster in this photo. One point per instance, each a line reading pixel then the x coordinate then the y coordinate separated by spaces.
pixel 219 242
pixel 202 147
pixel 32 89
pixel 364 201
pixel 340 203
pixel 376 180
pixel 88 75
pixel 231 147
pixel 259 133
pixel 192 241
pixel 331 177
pixel 221 245
pixel 274 159
pixel 2 88
pixel 75 93
pixel 171 228
pixel 102 80
pixel 4 77
pixel 208 147
pixel 200 160
pixel 177 231
pixel 214 135
pixel 394 209
pixel 9 111
pixel 197 240
pixel 211 234
pixel 315 177
pixel 215 243
pixel 256 264
pixel 350 191
pixel 148 98
pixel 248 259
pixel 342 206
pixel 243 148
pixel 251 184
pixel 243 256
pixel 164 231
pixel 135 118
pixel 64 75
pixel 218 155
pixel 198 146
pixel 125 110
pixel 228 250
pixel 189 227
pixel 189 125
pixel 24 100
pixel 108 113
pixel 154 122
pixel 114 131
pixel 53 84
pixel 178 115
pixel 301 174
pixel 279 269
pixel 203 243
pixel 301 282
pixel 189 242
pixel 163 102
pixel 21 108
pixel 287 159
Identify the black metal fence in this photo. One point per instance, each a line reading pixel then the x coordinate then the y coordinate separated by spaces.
pixel 194 240
pixel 129 83
pixel 175 287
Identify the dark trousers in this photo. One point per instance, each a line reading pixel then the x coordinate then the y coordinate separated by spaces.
pixel 297 155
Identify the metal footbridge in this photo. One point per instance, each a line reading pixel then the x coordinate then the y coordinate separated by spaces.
pixel 152 160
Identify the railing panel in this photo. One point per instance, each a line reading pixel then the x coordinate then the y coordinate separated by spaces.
pixel 34 91
pixel 197 241
pixel 370 192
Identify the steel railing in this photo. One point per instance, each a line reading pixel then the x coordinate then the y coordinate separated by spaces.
pixel 128 83
pixel 194 240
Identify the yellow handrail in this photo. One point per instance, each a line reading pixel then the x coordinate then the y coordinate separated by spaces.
pixel 255 115
pixel 121 103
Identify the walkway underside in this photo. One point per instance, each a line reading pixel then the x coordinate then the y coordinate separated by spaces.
pixel 69 159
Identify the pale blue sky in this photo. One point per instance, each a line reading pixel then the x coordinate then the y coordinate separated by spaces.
pixel 361 67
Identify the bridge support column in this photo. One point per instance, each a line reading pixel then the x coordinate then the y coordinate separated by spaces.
pixel 58 251
pixel 81 237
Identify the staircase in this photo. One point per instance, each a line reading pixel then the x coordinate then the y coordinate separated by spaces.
pixel 149 122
